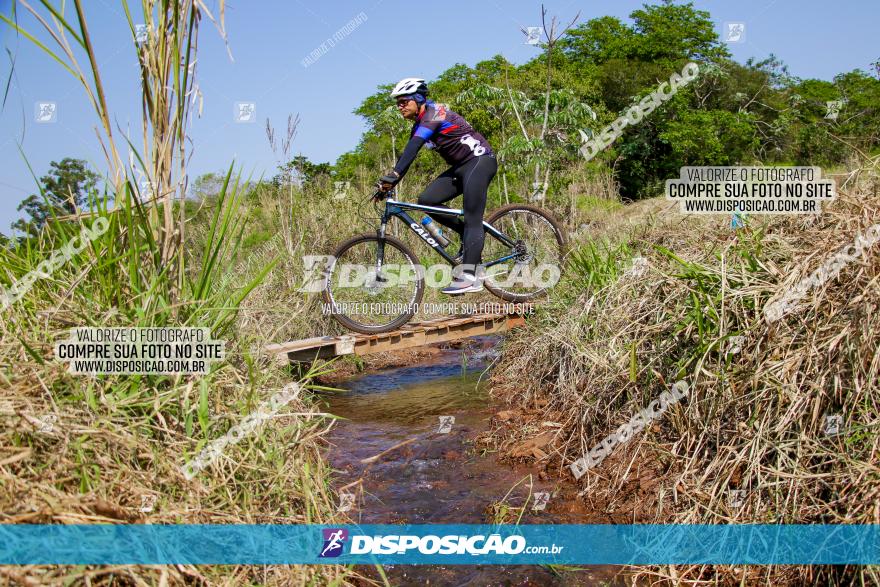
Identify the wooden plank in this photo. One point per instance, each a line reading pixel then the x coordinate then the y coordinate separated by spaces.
pixel 344 345
pixel 441 330
pixel 309 355
pixel 305 343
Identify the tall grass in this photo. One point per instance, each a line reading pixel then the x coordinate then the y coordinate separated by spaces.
pixel 755 416
pixel 119 439
pixel 169 91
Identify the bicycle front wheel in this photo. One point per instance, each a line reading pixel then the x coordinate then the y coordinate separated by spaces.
pixel 366 296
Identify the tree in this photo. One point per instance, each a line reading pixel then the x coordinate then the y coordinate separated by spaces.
pixel 64 191
pixel 716 137
pixel 375 104
pixel 207 185
pixel 393 124
pixel 542 129
pixel 662 33
pixel 590 74
pixel 599 40
pixel 301 170
pixel 552 37
pixel 670 32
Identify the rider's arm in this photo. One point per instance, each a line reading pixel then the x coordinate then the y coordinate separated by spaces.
pixel 415 143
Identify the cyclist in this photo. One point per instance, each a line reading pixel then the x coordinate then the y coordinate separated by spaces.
pixel 472 167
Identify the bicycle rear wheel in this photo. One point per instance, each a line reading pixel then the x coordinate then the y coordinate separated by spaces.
pixel 367 298
pixel 536 260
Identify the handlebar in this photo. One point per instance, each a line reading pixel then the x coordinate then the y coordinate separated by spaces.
pixel 381 194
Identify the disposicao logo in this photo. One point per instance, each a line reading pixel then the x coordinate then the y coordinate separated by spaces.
pixel 334 540
pixel 474 545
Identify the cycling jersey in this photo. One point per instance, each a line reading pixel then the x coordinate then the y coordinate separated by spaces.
pixel 446 132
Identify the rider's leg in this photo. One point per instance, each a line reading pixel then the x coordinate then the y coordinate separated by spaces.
pixel 475 185
pixel 444 188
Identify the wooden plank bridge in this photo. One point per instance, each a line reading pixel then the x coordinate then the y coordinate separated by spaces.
pixel 411 335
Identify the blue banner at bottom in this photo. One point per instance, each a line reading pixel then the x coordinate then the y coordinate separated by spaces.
pixel 439 544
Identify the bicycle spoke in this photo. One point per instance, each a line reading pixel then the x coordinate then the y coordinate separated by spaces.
pixel 536 266
pixel 368 296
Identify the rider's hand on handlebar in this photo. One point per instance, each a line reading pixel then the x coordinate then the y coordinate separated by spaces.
pixel 389 180
pixel 385 184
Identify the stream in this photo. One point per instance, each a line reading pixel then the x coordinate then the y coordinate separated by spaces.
pixel 440 476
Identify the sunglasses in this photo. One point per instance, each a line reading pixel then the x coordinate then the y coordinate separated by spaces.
pixel 403 102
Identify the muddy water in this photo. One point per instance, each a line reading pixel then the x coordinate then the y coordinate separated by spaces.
pixel 439 477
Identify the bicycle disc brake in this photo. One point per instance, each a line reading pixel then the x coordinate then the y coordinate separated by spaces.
pixel 523 256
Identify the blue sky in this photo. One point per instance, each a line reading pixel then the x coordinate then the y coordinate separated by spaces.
pixel 269 40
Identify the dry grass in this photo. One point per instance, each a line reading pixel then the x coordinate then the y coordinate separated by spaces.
pixel 75 449
pixel 113 445
pixel 755 419
pixel 116 441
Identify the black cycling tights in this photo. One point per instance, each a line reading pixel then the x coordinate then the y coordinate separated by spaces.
pixel 471 179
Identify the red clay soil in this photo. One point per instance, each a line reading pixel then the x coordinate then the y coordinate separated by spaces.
pixel 635 501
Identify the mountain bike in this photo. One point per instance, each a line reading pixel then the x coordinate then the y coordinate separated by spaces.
pixel 373 282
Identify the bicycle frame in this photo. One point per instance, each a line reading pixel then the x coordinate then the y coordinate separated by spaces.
pixel 394 208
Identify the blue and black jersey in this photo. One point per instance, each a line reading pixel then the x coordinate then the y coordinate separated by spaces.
pixel 446 132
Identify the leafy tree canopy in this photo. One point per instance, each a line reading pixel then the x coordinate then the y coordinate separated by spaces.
pixel 64 190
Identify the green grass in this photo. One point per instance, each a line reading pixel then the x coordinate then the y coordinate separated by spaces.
pixel 142 429
pixel 587 203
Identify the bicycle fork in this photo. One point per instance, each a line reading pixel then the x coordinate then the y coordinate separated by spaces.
pixel 380 252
